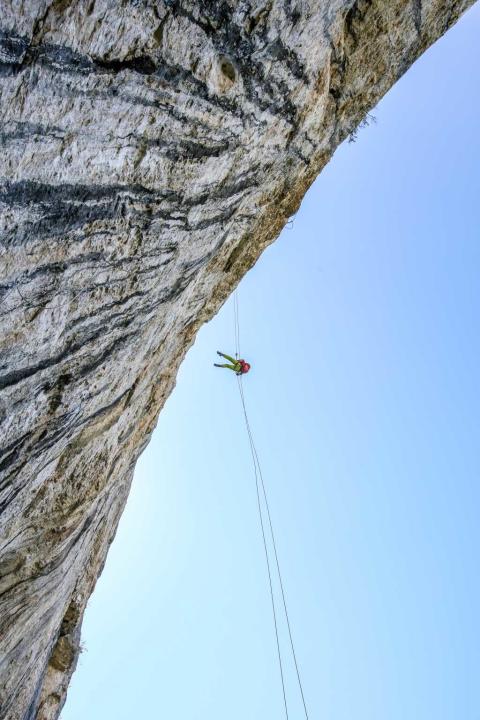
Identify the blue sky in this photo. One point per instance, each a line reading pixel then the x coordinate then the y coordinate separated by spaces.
pixel 362 326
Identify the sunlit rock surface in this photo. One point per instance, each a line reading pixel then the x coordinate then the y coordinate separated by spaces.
pixel 150 152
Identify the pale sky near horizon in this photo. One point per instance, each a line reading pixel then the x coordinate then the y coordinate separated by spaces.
pixel 362 326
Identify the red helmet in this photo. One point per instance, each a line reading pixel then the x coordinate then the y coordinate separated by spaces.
pixel 245 366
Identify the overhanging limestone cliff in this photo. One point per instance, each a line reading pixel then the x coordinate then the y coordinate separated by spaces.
pixel 150 151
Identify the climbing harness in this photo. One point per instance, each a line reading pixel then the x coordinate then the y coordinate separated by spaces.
pixel 261 491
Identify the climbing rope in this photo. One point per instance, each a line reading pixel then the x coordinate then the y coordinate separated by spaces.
pixel 259 476
pixel 265 546
pixel 237 325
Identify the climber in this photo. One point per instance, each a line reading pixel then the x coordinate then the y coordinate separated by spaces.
pixel 240 367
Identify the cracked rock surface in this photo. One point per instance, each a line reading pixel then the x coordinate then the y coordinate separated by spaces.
pixel 150 150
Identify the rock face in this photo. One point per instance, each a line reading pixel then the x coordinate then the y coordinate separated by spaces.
pixel 150 151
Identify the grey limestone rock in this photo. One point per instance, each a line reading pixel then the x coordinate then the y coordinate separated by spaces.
pixel 150 151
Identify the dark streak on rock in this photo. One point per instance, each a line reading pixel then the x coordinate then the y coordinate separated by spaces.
pixel 71 348
pixel 216 20
pixel 26 192
pixel 417 15
pixel 26 131
pixel 17 52
pixel 61 59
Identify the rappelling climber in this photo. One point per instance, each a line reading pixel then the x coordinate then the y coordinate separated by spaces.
pixel 240 367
